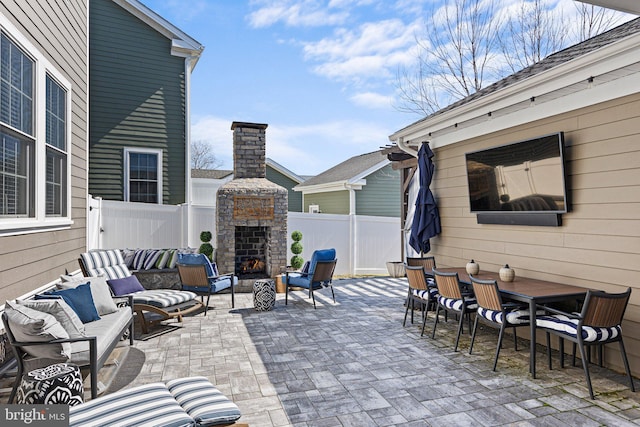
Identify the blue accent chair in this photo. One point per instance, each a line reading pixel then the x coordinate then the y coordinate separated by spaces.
pixel 200 276
pixel 320 275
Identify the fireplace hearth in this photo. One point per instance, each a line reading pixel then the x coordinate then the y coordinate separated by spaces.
pixel 251 213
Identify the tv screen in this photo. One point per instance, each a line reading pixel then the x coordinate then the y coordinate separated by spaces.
pixel 526 176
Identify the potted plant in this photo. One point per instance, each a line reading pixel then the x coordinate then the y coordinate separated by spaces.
pixel 296 249
pixel 205 247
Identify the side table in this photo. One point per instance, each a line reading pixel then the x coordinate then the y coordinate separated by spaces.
pixel 264 295
pixel 59 384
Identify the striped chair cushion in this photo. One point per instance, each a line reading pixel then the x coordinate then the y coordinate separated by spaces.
pixel 203 402
pixel 430 293
pixel 514 316
pixel 456 304
pixel 162 298
pixel 105 262
pixel 147 405
pixel 568 326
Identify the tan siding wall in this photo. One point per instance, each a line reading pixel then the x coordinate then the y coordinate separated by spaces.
pixel 598 245
pixel 59 30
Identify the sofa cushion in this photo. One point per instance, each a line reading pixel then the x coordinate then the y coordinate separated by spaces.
pixel 138 259
pixel 107 330
pixel 203 402
pixel 59 309
pixel 173 258
pixel 99 291
pixel 79 299
pixel 162 259
pixel 107 262
pixel 125 286
pixel 146 405
pixel 162 298
pixel 27 324
pixel 216 285
pixel 150 259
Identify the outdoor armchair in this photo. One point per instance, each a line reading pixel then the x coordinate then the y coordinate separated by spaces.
pixel 493 311
pixel 421 290
pixel 200 276
pixel 453 299
pixel 599 323
pixel 428 262
pixel 320 275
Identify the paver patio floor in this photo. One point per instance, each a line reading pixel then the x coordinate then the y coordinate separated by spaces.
pixel 353 364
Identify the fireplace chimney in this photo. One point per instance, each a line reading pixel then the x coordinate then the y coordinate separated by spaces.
pixel 249 152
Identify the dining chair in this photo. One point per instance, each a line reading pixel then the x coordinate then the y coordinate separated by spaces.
pixel 428 262
pixel 420 291
pixel 494 312
pixel 453 299
pixel 599 323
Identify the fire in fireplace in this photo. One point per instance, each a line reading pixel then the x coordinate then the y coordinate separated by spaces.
pixel 251 266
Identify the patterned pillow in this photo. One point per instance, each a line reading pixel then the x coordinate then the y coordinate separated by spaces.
pixel 59 309
pixel 162 259
pixel 128 255
pixel 138 259
pixel 173 258
pixel 151 258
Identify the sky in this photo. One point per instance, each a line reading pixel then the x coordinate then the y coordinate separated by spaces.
pixel 320 73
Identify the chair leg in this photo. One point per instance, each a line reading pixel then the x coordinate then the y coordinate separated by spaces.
pixel 561 348
pixel 515 339
pixel 585 366
pixel 460 327
pixel 313 298
pixel 286 294
pixel 435 323
pixel 406 311
pixel 500 337
pixel 413 308
pixel 233 294
pixel 549 349
pixel 473 334
pixel 424 319
pixel 333 295
pixel 626 365
pixel 14 390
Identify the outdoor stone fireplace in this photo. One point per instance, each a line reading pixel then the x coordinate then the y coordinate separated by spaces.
pixel 252 212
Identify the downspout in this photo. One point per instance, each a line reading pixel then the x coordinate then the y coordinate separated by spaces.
pixel 187 137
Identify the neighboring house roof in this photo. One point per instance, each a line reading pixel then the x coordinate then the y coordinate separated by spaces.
pixel 181 43
pixel 284 171
pixel 348 174
pixel 603 59
pixel 210 173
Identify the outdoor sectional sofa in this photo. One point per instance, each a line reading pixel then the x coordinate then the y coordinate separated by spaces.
pixel 46 329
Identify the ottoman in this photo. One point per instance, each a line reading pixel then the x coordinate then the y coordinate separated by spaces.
pixel 59 384
pixel 264 295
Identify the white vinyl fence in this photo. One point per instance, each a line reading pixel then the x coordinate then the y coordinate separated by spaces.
pixel 363 243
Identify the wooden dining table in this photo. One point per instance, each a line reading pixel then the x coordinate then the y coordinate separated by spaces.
pixel 526 290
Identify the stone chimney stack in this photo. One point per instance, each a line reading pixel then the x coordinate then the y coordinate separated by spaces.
pixel 249 150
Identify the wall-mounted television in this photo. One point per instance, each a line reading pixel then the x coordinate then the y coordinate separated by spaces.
pixel 520 177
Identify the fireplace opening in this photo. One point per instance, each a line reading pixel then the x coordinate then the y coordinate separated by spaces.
pixel 251 257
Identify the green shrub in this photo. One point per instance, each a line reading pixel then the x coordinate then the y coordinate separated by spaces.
pixel 206 247
pixel 296 261
pixel 296 248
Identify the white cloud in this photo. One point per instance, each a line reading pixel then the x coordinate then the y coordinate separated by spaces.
pixel 304 149
pixel 372 100
pixel 294 14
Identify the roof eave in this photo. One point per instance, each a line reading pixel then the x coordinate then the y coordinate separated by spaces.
pixel 609 58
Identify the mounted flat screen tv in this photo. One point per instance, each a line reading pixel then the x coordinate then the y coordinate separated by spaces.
pixel 521 177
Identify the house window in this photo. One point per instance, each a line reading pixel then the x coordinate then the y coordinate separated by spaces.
pixel 56 175
pixel 34 138
pixel 143 175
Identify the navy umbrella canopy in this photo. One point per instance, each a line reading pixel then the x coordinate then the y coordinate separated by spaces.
pixel 426 218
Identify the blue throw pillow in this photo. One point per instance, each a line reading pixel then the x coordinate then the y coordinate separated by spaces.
pixel 127 285
pixel 79 299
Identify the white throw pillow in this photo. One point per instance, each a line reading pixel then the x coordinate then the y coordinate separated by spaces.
pixel 100 291
pixel 28 325
pixel 59 309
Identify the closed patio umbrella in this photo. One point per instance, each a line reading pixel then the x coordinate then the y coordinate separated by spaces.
pixel 426 218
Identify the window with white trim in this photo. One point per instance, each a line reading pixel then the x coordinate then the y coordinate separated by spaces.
pixel 143 175
pixel 34 137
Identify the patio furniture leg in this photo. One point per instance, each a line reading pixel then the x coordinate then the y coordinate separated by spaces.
pixel 586 369
pixel 460 327
pixel 435 323
pixel 473 334
pixel 424 321
pixel 500 337
pixel 626 365
pixel 549 349
pixel 561 348
pixel 406 311
pixel 515 339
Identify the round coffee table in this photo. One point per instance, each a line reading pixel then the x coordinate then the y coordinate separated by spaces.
pixel 59 384
pixel 264 295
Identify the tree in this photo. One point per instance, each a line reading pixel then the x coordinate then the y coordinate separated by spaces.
pixel 532 34
pixel 453 58
pixel 202 156
pixel 468 44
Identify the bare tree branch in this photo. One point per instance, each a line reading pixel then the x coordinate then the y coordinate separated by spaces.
pixel 202 156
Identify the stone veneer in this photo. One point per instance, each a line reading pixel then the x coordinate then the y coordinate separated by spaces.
pixel 250 200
